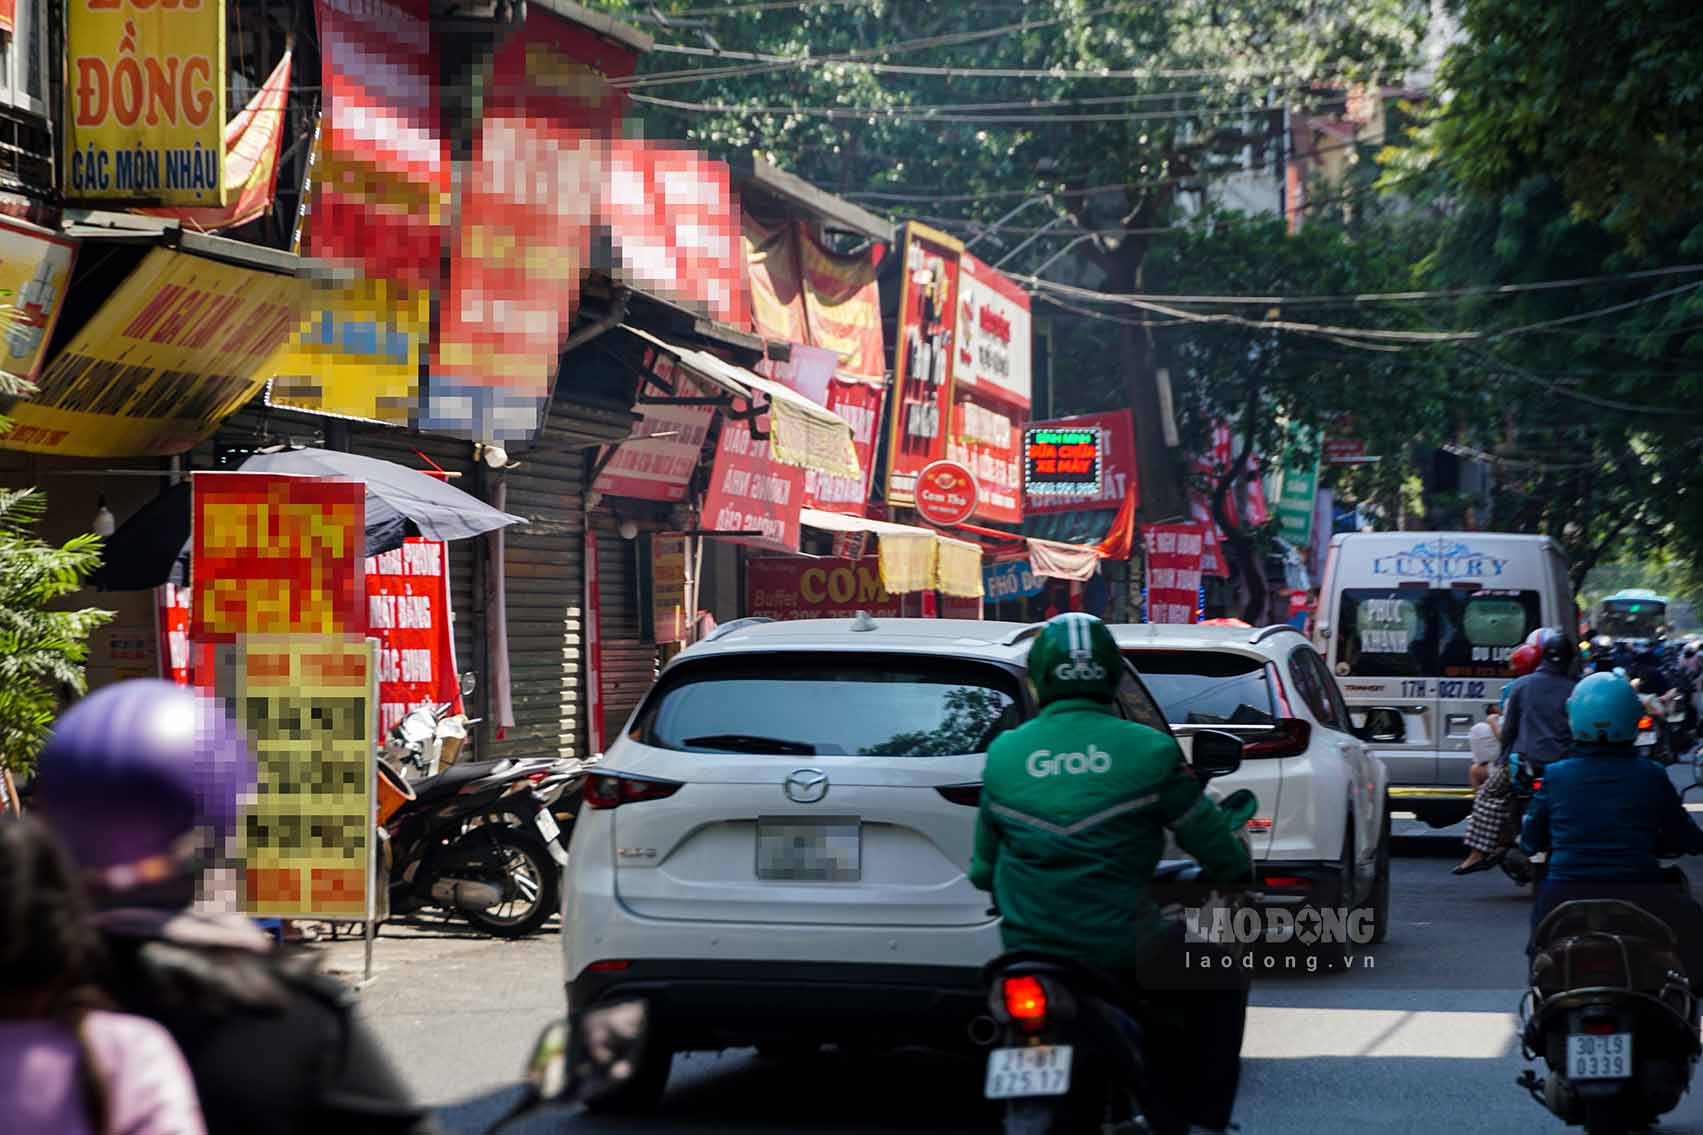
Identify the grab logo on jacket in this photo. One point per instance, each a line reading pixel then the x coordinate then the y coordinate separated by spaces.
pixel 1043 762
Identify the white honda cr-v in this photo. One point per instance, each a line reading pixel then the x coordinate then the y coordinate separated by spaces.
pixel 774 852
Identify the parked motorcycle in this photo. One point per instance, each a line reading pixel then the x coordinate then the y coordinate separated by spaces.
pixel 1611 1013
pixel 1070 1044
pixel 427 739
pixel 476 840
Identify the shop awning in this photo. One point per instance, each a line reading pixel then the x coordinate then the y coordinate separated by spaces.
pixel 911 558
pixel 801 432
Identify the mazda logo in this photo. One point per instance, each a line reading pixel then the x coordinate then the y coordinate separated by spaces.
pixel 806 786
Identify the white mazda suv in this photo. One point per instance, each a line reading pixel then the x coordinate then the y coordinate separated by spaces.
pixel 774 852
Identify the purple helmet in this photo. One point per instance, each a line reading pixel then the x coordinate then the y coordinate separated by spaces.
pixel 142 777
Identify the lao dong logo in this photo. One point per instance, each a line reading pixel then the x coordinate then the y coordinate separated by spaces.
pixel 1438 560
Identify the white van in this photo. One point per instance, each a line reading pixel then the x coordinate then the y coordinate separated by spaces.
pixel 1426 622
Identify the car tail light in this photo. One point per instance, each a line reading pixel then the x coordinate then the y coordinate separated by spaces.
pixel 1289 738
pixel 1259 824
pixel 1025 999
pixel 969 795
pixel 611 790
pixel 1285 882
pixel 612 965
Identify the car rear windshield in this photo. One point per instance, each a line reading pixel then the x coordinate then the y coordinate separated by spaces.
pixel 1207 687
pixel 1387 632
pixel 810 705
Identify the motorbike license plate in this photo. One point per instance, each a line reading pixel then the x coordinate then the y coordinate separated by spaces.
pixel 1646 740
pixel 825 850
pixel 551 831
pixel 1599 1057
pixel 1039 1070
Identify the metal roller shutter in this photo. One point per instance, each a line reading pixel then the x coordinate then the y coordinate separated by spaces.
pixel 629 662
pixel 545 599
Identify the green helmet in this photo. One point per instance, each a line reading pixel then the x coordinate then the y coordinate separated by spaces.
pixel 1074 657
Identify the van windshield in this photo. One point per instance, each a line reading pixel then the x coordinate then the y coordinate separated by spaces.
pixel 1400 632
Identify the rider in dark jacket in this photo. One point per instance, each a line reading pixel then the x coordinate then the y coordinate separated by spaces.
pixel 1607 816
pixel 142 781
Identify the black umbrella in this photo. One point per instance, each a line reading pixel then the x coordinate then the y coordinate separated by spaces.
pixel 152 547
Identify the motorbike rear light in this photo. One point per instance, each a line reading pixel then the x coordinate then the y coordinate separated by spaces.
pixel 969 795
pixel 613 965
pixel 1603 1026
pixel 1025 999
pixel 537 777
pixel 1645 723
pixel 1289 738
pixel 611 790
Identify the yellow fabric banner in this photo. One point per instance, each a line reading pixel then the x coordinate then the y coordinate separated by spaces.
pixel 958 569
pixel 145 101
pixel 181 344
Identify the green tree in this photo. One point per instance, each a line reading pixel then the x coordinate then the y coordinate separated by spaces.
pixel 1606 97
pixel 1264 382
pixel 41 650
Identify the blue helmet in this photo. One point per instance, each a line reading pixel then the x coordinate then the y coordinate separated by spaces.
pixel 1604 709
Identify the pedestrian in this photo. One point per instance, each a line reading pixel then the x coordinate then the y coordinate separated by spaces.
pixel 143 781
pixel 69 1064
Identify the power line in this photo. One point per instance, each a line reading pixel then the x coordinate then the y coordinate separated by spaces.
pixel 1248 71
pixel 666 19
pixel 780 63
pixel 902 113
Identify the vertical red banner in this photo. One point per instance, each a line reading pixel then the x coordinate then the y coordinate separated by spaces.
pixel 1173 572
pixel 171 609
pixel 408 612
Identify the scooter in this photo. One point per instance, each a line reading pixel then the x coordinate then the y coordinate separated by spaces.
pixel 1611 1013
pixel 1070 1044
pixel 476 840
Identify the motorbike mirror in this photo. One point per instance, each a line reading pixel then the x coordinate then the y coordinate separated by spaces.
pixel 585 1061
pixel 1239 807
pixel 1213 753
pixel 468 681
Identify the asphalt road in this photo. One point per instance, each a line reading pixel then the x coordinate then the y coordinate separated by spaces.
pixel 1420 1035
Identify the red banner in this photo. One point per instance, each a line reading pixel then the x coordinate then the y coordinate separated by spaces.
pixel 674 227
pixel 531 196
pixel 385 165
pixel 842 306
pixel 171 609
pixel 408 612
pixel 922 358
pixel 752 493
pixel 277 555
pixel 657 461
pixel 785 587
pixel 1173 572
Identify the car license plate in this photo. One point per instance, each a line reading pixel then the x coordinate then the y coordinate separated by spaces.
pixel 828 849
pixel 1599 1057
pixel 1039 1070
pixel 551 831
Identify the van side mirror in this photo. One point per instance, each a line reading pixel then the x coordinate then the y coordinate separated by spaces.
pixel 1214 753
pixel 1384 725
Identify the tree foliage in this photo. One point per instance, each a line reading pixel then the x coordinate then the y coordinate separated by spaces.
pixel 42 650
pixel 1605 97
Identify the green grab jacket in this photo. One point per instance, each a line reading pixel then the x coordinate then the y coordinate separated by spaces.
pixel 1074 808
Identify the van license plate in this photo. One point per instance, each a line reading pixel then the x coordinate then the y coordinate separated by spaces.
pixel 818 850
pixel 1599 1057
pixel 1040 1070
